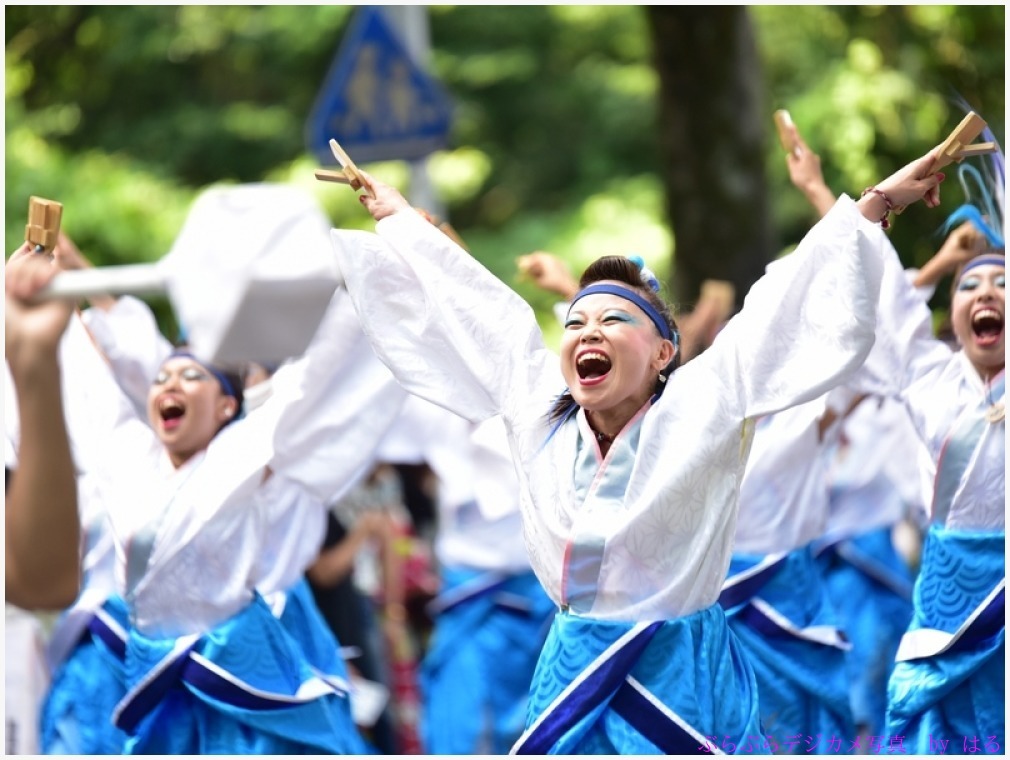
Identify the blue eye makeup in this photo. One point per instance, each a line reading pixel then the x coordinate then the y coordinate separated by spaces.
pixel 968 283
pixel 972 282
pixel 619 316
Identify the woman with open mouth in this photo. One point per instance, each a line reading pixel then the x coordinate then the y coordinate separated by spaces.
pixel 210 493
pixel 629 468
pixel 948 684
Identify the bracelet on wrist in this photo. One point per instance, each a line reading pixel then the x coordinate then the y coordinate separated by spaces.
pixel 884 220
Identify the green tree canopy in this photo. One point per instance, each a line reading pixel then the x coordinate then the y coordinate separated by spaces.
pixel 124 113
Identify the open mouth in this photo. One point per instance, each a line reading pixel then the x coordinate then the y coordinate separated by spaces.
pixel 172 412
pixel 592 367
pixel 987 326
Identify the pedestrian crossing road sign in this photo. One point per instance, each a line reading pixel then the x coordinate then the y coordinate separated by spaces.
pixel 376 101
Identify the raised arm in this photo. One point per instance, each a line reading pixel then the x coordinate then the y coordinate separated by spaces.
pixel 450 331
pixel 805 173
pixel 903 321
pixel 128 335
pixel 549 272
pixel 122 328
pixel 964 243
pixel 699 326
pixel 809 323
pixel 43 529
pixel 907 348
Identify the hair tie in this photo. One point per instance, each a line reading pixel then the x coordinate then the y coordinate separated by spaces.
pixel 648 276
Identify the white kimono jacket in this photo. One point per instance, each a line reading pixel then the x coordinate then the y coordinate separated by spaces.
pixel 193 543
pixel 650 537
pixel 940 388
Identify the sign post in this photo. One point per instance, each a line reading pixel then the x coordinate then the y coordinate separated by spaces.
pixel 412 23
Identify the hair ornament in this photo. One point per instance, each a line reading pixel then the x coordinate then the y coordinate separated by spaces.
pixel 648 277
pixel 979 209
pixel 984 192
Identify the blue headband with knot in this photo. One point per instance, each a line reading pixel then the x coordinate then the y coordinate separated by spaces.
pixel 628 294
pixel 226 386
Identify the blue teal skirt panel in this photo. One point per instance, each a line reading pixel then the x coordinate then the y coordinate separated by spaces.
pixel 959 693
pixel 246 687
pixel 475 677
pixel 675 687
pixel 76 717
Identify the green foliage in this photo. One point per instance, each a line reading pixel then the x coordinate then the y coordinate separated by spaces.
pixel 873 87
pixel 124 113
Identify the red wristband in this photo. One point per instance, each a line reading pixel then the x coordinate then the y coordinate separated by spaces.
pixel 884 221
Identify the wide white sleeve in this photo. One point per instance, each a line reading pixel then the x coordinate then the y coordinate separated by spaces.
pixel 808 323
pixel 908 348
pixel 129 337
pixel 331 408
pixel 98 412
pixel 450 331
pixel 926 292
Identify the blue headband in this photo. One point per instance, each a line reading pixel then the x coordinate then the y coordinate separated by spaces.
pixel 226 387
pixel 627 293
pixel 990 259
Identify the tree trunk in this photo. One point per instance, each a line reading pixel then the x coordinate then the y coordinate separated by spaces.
pixel 712 146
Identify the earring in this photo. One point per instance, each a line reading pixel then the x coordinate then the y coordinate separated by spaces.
pixel 228 412
pixel 662 378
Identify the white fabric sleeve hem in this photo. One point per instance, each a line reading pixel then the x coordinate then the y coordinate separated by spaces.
pixel 450 331
pixel 808 323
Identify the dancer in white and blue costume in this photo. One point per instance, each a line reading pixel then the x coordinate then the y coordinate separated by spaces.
pixel 775 598
pixel 491 615
pixel 948 684
pixel 875 487
pixel 629 496
pixel 194 505
pixel 88 647
pixel 210 667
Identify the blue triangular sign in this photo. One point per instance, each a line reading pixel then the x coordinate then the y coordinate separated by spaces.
pixel 376 102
